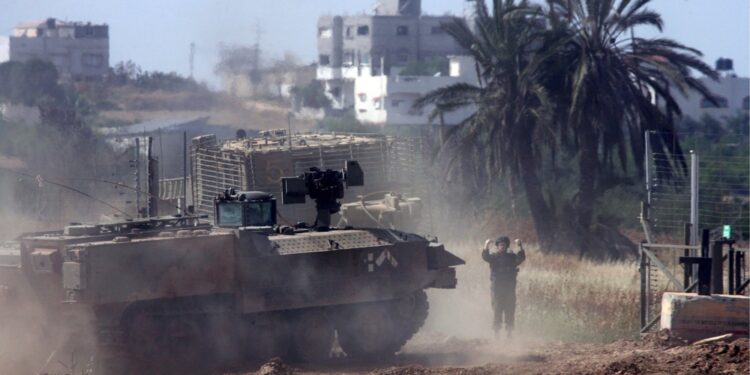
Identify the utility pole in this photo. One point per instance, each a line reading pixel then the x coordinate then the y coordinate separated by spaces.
pixel 255 77
pixel 289 123
pixel 192 58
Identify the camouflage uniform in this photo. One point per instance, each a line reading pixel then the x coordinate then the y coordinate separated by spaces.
pixel 503 272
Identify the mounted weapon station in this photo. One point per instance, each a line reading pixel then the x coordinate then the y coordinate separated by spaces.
pixel 177 292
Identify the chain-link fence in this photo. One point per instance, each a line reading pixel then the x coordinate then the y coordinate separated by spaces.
pixel 694 183
pixel 708 186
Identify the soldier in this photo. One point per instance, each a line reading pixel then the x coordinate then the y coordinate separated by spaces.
pixel 503 270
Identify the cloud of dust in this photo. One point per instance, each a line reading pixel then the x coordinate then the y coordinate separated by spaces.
pixel 30 341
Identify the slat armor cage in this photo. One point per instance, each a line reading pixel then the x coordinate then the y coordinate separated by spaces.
pixel 389 163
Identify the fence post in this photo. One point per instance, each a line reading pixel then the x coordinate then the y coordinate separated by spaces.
pixel 739 266
pixel 705 239
pixel 644 297
pixel 694 196
pixel 717 268
pixel 647 164
pixel 686 253
pixel 730 268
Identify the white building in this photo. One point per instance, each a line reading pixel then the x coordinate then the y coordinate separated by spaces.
pixel 76 49
pixel 731 92
pixel 387 100
pixel 4 49
pixel 394 35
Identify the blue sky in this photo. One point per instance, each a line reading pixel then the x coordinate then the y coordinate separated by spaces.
pixel 157 34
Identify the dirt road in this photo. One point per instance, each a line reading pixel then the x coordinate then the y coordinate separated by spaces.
pixel 442 356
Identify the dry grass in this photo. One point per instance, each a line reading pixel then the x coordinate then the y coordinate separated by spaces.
pixel 559 297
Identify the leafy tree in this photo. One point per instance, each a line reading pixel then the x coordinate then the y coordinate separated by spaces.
pixel 505 134
pixel 125 72
pixel 313 95
pixel 29 83
pixel 601 81
pixel 567 79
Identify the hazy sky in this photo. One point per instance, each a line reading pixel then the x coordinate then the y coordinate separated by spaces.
pixel 157 34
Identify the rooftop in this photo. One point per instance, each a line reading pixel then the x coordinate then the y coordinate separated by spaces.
pixel 52 23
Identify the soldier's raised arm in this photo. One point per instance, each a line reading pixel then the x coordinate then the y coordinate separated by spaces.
pixel 486 250
pixel 521 256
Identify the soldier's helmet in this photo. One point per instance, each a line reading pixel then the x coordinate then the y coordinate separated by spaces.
pixel 502 239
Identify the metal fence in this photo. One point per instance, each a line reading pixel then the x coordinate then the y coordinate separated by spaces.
pixel 706 190
pixel 710 188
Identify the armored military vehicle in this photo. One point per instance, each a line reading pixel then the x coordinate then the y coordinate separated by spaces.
pixel 176 291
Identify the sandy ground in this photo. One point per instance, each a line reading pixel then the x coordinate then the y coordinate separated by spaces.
pixel 427 354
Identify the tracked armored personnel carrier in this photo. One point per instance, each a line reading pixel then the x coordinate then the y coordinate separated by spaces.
pixel 176 292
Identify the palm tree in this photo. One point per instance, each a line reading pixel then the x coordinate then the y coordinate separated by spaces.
pixel 505 135
pixel 607 82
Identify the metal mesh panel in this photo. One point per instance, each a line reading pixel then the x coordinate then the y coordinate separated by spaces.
pixel 395 164
pixel 214 171
pixel 723 186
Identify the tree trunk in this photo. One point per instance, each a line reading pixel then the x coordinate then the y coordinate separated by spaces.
pixel 586 188
pixel 540 212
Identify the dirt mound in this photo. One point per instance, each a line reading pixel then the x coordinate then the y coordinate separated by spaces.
pixel 275 367
pixel 422 370
pixel 663 339
pixel 713 358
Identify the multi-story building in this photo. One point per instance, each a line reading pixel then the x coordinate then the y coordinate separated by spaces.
pixel 78 50
pixel 387 100
pixel 731 95
pixel 374 44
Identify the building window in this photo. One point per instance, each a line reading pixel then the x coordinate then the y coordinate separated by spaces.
pixel 395 103
pixel 364 58
pixel 402 30
pixel 336 92
pixel 363 30
pixel 92 59
pixel 435 30
pixel 746 103
pixel 324 59
pixel 720 102
pixel 362 97
pixel 378 103
pixel 348 58
pixel 349 32
pixel 324 32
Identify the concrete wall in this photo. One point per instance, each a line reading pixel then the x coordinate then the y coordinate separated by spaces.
pixel 433 41
pixel 733 91
pixel 330 41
